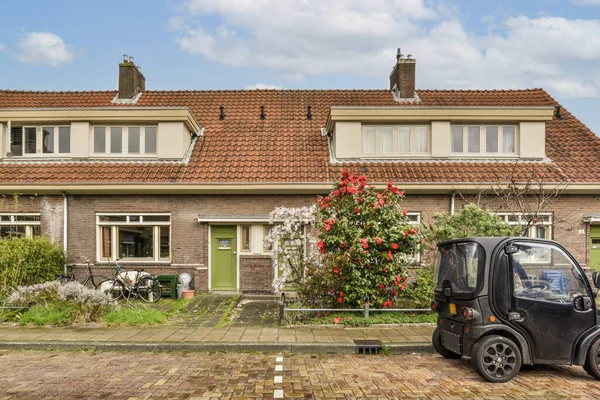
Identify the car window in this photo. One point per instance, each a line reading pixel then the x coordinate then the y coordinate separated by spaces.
pixel 544 272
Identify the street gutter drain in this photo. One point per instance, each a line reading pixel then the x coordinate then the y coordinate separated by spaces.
pixel 368 346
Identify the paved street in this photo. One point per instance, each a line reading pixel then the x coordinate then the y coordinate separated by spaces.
pixel 111 375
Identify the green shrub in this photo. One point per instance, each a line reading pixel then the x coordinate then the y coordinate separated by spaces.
pixel 419 294
pixel 52 314
pixel 25 261
pixel 73 299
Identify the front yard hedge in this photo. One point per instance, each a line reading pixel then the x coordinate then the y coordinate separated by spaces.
pixel 25 262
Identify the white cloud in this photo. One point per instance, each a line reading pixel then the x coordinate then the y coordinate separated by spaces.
pixel 2 47
pixel 263 86
pixel 294 39
pixel 586 2
pixel 44 48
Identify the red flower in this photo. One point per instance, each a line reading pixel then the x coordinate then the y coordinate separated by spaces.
pixel 365 245
pixel 400 193
pixel 327 227
pixel 320 244
pixel 341 294
pixel 406 233
pixel 345 182
pixel 336 193
pixel 404 212
pixel 381 286
pixel 357 210
pixel 327 198
pixel 352 190
pixel 379 240
pixel 387 304
pixel 394 246
pixel 372 205
pixel 322 250
pixel 336 270
pixel 337 320
pixel 381 202
pixel 343 245
pixel 319 200
pixel 389 257
pixel 384 269
pixel 394 293
pixel 378 195
pixel 413 231
pixel 389 184
pixel 343 190
pixel 422 240
pixel 340 300
pixel 349 317
pixel 403 287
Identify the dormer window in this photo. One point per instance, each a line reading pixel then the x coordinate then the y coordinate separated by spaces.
pixel 30 141
pixel 395 140
pixel 483 139
pixel 124 140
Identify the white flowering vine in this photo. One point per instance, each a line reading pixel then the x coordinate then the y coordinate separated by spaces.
pixel 293 244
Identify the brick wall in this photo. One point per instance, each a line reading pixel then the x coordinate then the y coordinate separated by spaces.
pixel 189 239
pixel 190 242
pixel 49 207
pixel 256 274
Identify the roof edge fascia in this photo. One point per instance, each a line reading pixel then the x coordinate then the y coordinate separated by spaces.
pixel 272 188
pixel 102 114
pixel 433 113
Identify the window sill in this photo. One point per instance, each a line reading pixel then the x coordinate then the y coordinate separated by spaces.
pixel 133 262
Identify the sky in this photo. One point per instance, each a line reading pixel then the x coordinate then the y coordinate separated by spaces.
pixel 307 44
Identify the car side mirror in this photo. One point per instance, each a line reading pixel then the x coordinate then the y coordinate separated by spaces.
pixel 596 279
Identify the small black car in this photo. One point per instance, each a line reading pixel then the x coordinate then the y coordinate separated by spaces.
pixel 511 301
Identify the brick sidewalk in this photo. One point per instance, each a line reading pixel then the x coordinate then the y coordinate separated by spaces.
pixel 327 339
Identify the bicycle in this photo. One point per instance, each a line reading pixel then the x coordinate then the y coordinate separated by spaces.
pixel 91 281
pixel 136 284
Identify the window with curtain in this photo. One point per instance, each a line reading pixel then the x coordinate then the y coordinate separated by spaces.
pixel 399 140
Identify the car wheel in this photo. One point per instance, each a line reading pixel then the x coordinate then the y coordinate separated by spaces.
pixel 592 360
pixel 436 340
pixel 496 358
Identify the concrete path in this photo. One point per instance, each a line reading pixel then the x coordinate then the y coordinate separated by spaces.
pixel 397 338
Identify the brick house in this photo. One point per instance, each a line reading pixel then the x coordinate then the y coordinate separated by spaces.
pixel 184 180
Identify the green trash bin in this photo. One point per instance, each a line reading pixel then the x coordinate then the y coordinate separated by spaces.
pixel 169 285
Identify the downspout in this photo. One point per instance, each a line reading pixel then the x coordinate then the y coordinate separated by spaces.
pixel 65 224
pixel 452 199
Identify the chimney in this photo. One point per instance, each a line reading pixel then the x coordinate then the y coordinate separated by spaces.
pixel 402 78
pixel 131 79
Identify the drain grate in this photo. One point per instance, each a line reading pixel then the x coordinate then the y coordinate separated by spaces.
pixel 368 346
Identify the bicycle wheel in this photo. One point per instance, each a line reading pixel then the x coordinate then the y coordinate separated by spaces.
pixel 149 289
pixel 116 289
pixel 94 281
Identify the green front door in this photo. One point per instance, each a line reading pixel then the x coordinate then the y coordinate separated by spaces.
pixel 223 258
pixel 595 247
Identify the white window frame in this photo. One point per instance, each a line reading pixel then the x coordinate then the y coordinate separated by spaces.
pixel 414 259
pixel 124 142
pixel 483 141
pixel 39 137
pixel 114 225
pixel 521 221
pixel 13 221
pixel 395 133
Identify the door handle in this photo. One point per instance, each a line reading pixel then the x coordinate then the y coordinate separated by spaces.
pixel 515 316
pixel 234 253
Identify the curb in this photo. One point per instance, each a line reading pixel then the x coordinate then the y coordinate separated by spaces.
pixel 229 347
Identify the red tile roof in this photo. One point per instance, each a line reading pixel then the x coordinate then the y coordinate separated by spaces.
pixel 286 147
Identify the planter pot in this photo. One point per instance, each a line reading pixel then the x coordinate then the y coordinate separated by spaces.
pixel 188 294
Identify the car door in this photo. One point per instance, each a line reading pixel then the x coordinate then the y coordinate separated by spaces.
pixel 551 300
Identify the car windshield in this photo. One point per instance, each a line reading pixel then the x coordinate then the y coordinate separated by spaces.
pixel 461 264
